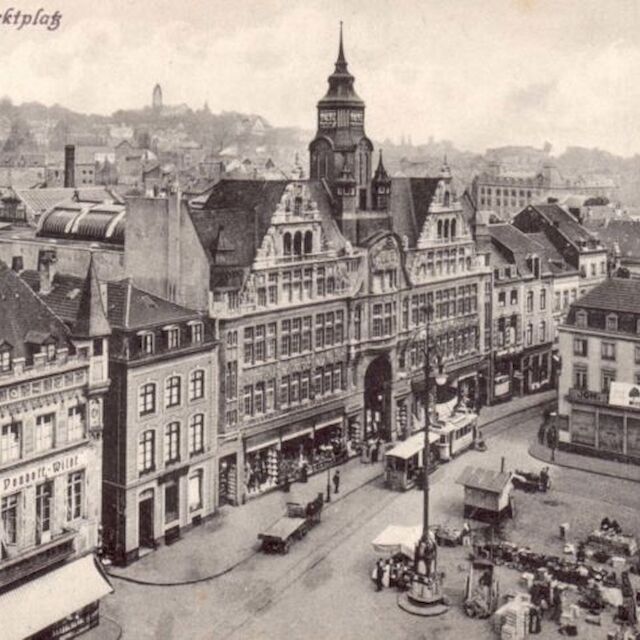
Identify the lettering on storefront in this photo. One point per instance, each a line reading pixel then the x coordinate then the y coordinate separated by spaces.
pixel 24 477
pixel 584 395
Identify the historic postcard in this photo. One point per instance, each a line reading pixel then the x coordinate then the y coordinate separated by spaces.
pixel 319 319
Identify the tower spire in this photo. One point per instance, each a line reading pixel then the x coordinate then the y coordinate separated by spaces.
pixel 341 59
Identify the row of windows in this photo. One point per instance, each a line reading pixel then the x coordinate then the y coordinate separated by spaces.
pixel 607 376
pixel 607 349
pixel 448 345
pixel 593 269
pixel 506 192
pixel 449 303
pixel 172 392
pixel 294 389
pixel 563 299
pixel 447 261
pixel 297 285
pixel 12 434
pixel 296 337
pixel 172 446
pixel 612 321
pixel 171 337
pixel 12 505
pixel 530 300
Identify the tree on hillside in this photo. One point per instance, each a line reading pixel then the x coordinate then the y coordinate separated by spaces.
pixel 20 136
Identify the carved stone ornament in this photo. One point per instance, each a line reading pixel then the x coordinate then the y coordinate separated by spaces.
pixel 385 256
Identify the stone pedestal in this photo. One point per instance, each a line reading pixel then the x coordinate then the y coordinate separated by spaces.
pixel 424 598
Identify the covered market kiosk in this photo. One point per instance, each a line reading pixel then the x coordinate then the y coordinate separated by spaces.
pixel 487 494
pixel 405 462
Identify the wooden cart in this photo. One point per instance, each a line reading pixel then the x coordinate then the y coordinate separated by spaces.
pixel 293 526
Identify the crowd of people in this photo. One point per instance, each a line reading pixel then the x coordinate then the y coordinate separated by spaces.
pixel 396 571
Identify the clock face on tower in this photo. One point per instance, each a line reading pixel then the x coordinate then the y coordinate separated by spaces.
pixel 356 117
pixel 327 119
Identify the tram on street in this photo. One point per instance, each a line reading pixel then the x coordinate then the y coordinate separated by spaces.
pixel 404 463
pixel 455 434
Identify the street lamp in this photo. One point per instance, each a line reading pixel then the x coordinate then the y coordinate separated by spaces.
pixel 425 596
pixel 329 483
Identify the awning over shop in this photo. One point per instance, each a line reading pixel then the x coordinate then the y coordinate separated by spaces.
pixel 51 598
pixel 411 446
pixel 297 434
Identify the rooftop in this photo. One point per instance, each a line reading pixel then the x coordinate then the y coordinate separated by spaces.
pixel 614 294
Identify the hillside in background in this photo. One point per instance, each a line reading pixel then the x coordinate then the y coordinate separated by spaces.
pixel 36 127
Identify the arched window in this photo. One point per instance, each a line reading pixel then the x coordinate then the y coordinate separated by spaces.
pixel 308 242
pixel 286 243
pixel 447 198
pixel 439 228
pixel 453 229
pixel 297 243
pixel 446 228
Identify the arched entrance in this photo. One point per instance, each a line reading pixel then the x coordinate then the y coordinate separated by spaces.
pixel 377 399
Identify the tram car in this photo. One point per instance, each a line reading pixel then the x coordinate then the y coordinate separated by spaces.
pixel 456 434
pixel 404 464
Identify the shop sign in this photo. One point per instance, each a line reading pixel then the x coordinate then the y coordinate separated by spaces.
pixel 28 475
pixel 623 394
pixel 584 395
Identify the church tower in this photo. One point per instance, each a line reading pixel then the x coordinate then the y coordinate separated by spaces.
pixel 156 101
pixel 340 153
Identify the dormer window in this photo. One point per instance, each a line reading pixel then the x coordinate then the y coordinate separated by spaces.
pixel 5 357
pixel 581 319
pixel 612 322
pixel 172 337
pixel 197 332
pixel 146 342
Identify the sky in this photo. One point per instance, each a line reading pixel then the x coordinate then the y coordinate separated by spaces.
pixel 481 73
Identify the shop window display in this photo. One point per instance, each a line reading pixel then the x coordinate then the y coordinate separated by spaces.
pixel 261 470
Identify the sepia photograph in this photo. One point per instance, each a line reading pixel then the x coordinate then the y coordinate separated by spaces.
pixel 319 320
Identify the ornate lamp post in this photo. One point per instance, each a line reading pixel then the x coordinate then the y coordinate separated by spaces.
pixel 425 596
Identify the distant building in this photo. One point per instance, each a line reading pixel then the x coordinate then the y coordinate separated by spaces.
pixel 156 99
pixel 507 191
pixel 599 389
pixel 578 247
pixel 53 378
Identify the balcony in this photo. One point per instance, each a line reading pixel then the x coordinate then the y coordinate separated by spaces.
pixel 34 559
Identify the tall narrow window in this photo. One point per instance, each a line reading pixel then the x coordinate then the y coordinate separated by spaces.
pixel 146 451
pixel 147 399
pixel 196 384
pixel 172 391
pixel 9 515
pixel 10 442
pixel 196 434
pixel 75 495
pixel 44 431
pixel 172 443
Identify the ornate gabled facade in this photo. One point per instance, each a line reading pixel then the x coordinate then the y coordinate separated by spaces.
pixel 320 289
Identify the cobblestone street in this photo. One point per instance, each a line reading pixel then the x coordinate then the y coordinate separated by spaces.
pixel 280 596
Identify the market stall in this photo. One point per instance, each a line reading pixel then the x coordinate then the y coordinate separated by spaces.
pixel 487 494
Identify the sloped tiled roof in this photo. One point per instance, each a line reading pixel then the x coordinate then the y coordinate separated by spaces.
pixel 131 308
pixel 235 217
pixel 614 294
pixel 411 199
pixel 484 479
pixel 564 221
pixel 22 313
pixel 38 201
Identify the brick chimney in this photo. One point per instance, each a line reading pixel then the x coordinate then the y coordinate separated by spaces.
pixel 69 166
pixel 46 269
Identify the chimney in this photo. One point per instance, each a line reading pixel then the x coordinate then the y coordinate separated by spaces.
pixel 17 264
pixel 69 166
pixel 46 269
pixel 502 464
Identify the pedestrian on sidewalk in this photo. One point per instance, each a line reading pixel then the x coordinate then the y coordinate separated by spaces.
pixel 336 481
pixel 286 485
pixel 379 573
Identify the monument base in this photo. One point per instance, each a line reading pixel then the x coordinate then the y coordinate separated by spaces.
pixel 424 598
